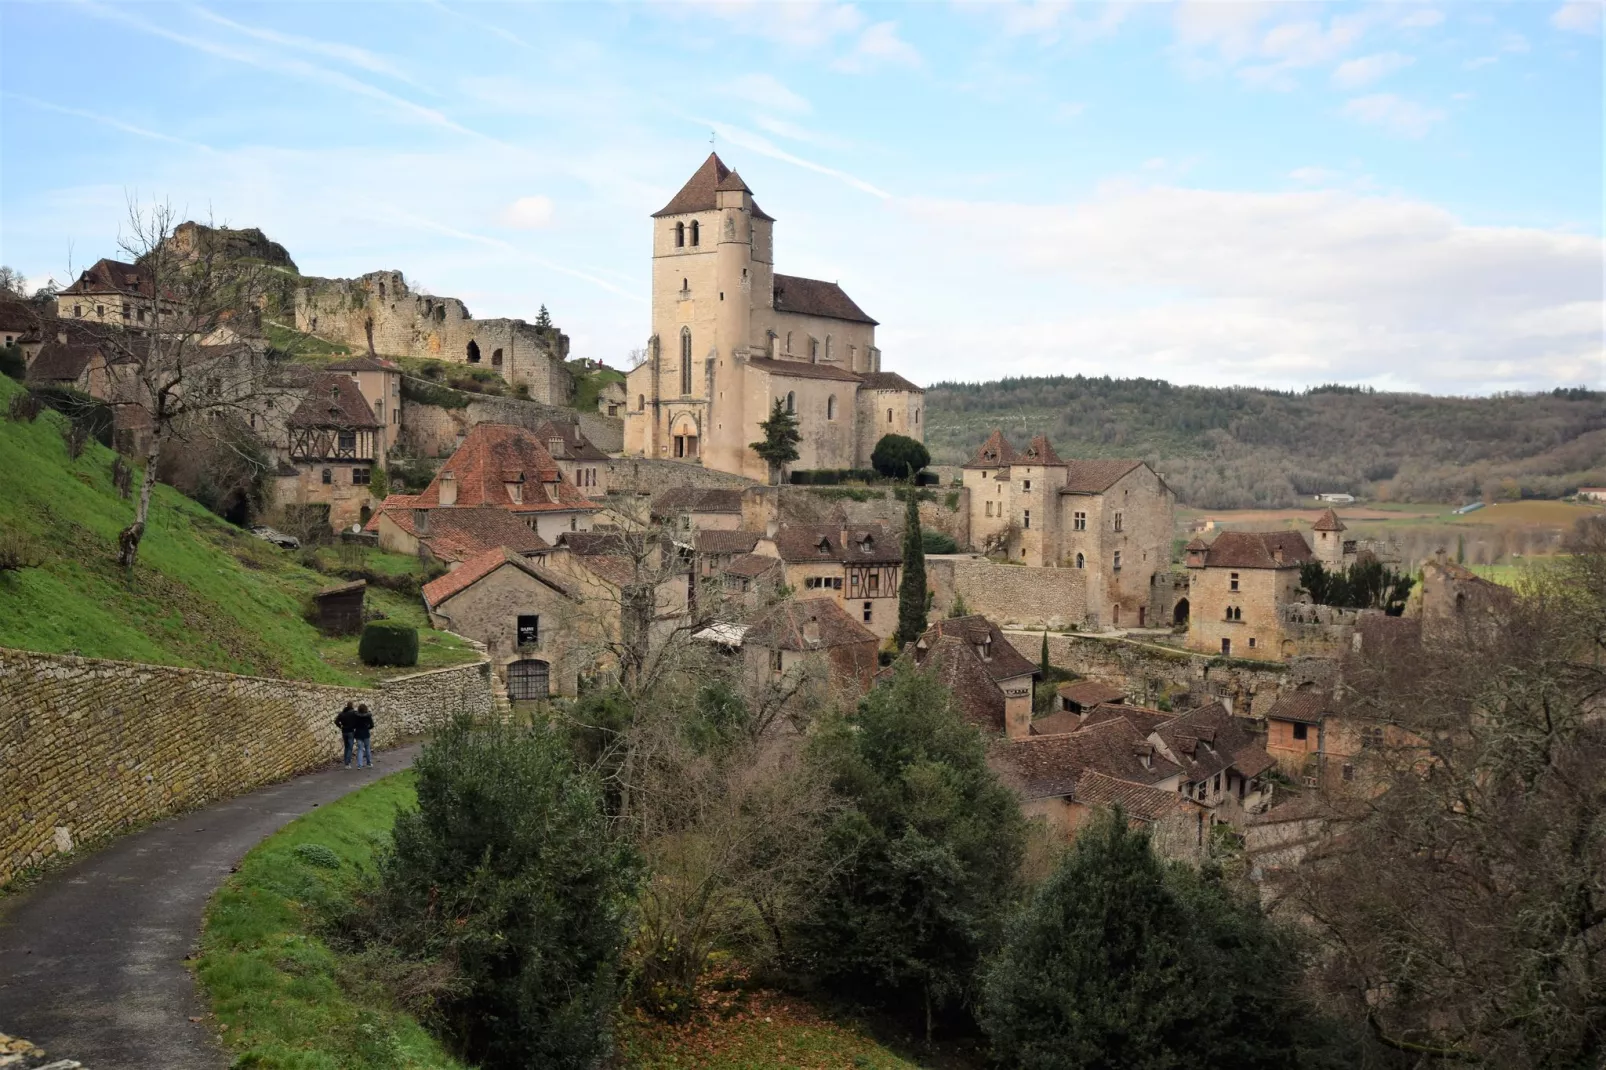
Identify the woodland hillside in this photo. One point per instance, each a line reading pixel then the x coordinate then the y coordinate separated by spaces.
pixel 1226 448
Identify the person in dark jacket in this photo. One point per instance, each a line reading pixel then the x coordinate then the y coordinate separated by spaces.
pixel 346 721
pixel 363 729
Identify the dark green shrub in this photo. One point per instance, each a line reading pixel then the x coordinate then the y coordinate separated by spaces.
pixel 12 363
pixel 937 542
pixel 386 642
pixel 509 870
pixel 899 457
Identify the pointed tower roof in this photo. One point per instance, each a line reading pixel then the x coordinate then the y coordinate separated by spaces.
pixel 994 453
pixel 1329 521
pixel 1040 452
pixel 733 181
pixel 697 195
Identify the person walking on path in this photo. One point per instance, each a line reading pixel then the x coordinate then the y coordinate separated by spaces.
pixel 364 724
pixel 346 721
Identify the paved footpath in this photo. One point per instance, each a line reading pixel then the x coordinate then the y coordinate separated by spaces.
pixel 92 959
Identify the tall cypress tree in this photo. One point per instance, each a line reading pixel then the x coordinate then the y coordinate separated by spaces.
pixel 912 601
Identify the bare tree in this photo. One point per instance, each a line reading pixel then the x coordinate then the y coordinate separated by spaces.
pixel 13 281
pixel 187 364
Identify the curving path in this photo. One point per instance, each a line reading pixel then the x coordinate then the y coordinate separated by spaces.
pixel 92 959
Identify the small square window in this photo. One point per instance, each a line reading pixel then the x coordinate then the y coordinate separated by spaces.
pixel 1026 519
pixel 360 477
pixel 1302 731
pixel 1026 484
pixel 328 476
pixel 1251 642
pixel 1233 582
pixel 1117 560
pixel 1349 772
pixel 867 608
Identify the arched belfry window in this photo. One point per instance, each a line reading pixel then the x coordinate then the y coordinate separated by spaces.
pixel 696 233
pixel 680 235
pixel 791 402
pixel 685 359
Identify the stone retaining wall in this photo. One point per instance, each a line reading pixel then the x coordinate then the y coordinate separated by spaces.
pixel 652 476
pixel 1011 595
pixel 91 747
pixel 433 431
pixel 1147 671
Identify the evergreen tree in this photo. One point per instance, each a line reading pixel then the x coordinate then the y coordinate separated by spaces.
pixel 509 870
pixel 912 599
pixel 1043 657
pixel 779 444
pixel 899 457
pixel 543 320
pixel 1121 961
pixel 930 844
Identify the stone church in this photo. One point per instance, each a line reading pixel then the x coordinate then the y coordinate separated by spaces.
pixel 731 336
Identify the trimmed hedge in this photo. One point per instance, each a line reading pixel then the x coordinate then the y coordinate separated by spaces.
pixel 386 642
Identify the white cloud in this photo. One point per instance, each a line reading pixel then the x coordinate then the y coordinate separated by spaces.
pixel 1049 21
pixel 1213 36
pixel 1393 113
pixel 336 50
pixel 802 24
pixel 1273 288
pixel 879 46
pixel 1313 176
pixel 1514 42
pixel 767 91
pixel 1355 73
pixel 1481 61
pixel 1423 18
pixel 1578 16
pixel 529 213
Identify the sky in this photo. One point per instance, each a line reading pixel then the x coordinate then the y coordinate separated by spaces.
pixel 1403 195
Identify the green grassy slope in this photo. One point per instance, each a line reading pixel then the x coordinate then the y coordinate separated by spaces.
pixel 204 594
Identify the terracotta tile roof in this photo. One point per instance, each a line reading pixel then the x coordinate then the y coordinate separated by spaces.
pixel 1208 740
pixel 459 534
pixel 616 569
pixel 732 183
pixel 19 317
pixel 726 542
pixel 333 401
pixel 1329 521
pixel 1197 543
pixel 1049 766
pixel 815 297
pixel 114 276
pixel 575 445
pixel 477 568
pixel 957 666
pixel 58 363
pixel 996 452
pixel 1086 693
pixel 1038 451
pixel 750 566
pixel 391 502
pixel 1095 477
pixel 1142 718
pixel 678 500
pixel 889 381
pixel 802 369
pixel 1003 661
pixel 784 627
pixel 1304 707
pixel 600 542
pixel 1057 724
pixel 697 195
pixel 494 455
pixel 1135 800
pixel 800 543
pixel 364 363
pixel 1258 549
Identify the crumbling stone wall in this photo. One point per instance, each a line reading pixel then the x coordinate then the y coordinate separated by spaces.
pixel 1011 595
pixel 382 309
pixel 433 431
pixel 652 476
pixel 89 747
pixel 1147 671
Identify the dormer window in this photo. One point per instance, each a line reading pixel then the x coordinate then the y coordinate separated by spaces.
pixel 985 648
pixel 824 546
pixel 866 545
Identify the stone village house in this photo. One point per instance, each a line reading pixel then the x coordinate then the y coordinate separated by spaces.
pixel 811 644
pixel 859 567
pixel 1112 519
pixel 992 683
pixel 1237 588
pixel 731 336
pixel 581 462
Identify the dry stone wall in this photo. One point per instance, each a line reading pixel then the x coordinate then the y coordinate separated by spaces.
pixel 1012 595
pixel 652 476
pixel 89 747
pixel 433 431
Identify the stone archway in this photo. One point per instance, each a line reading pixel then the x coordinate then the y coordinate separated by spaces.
pixel 529 680
pixel 1179 614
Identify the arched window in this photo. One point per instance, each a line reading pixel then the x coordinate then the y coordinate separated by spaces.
pixel 473 352
pixel 696 233
pixel 680 235
pixel 1081 561
pixel 830 407
pixel 496 358
pixel 917 417
pixel 685 360
pixel 791 402
pixel 814 349
pixel 827 347
pixel 789 341
pixel 641 402
pixel 328 475
pixel 889 416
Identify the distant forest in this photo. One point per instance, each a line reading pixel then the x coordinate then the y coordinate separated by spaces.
pixel 1239 448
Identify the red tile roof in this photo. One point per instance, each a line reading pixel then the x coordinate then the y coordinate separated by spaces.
pixel 1096 477
pixel 785 627
pixel 957 666
pixel 889 381
pixel 727 542
pixel 802 543
pixel 459 534
pixel 1304 707
pixel 1087 693
pixel 1329 521
pixel 1003 661
pixel 114 276
pixel 802 369
pixel 574 446
pixel 996 452
pixel 750 566
pixel 333 401
pixel 816 297
pixel 477 568
pixel 365 363
pixel 494 455
pixel 1057 724
pixel 1258 549
pixel 1208 740
pixel 58 363
pixel 1050 766
pixel 697 195
pixel 1142 718
pixel 1038 451
pixel 1135 800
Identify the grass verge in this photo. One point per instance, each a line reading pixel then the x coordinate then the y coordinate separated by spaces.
pixel 282 999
